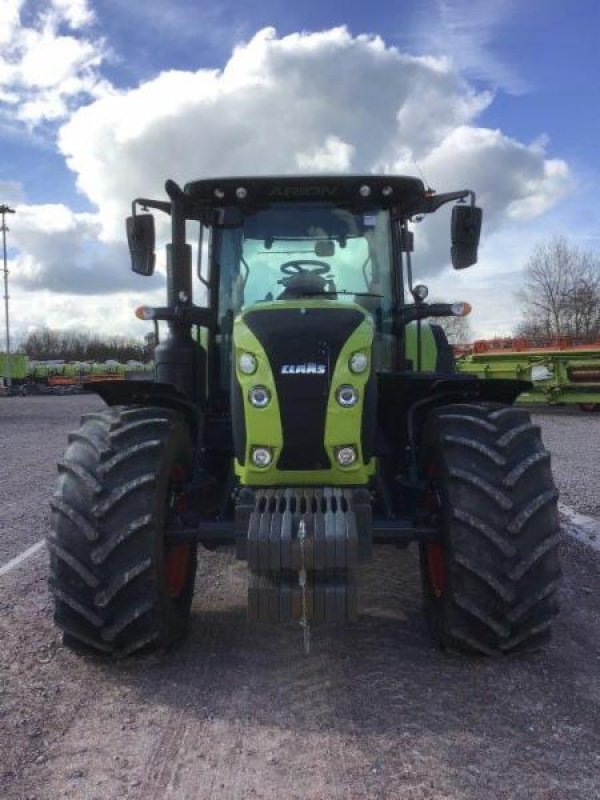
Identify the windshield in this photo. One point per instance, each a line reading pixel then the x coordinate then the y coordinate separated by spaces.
pixel 287 252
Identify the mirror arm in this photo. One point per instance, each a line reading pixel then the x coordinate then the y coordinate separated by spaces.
pixel 145 204
pixel 435 201
pixel 422 310
pixel 182 313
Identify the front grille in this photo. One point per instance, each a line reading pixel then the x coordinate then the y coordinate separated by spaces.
pixel 292 336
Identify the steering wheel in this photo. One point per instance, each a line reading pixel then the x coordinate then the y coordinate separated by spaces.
pixel 297 267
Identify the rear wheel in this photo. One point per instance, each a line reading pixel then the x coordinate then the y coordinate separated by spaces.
pixel 118 588
pixel 490 585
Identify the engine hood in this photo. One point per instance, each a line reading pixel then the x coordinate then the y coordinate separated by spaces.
pixel 302 351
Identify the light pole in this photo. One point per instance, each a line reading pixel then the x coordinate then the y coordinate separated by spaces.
pixel 4 210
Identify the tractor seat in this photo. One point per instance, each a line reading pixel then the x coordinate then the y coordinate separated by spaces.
pixel 302 285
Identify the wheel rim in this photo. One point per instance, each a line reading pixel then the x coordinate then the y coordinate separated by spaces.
pixel 177 562
pixel 436 568
pixel 434 551
pixel 177 557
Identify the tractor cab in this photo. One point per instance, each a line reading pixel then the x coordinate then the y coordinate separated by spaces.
pixel 309 287
pixel 339 241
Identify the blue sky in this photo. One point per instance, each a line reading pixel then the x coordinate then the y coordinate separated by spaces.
pixel 548 48
pixel 525 69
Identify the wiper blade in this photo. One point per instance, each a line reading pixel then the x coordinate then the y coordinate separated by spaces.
pixel 336 292
pixel 362 294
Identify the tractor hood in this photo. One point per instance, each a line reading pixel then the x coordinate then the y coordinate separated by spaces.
pixel 292 358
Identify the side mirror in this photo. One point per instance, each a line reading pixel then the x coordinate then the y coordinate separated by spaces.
pixel 466 229
pixel 141 241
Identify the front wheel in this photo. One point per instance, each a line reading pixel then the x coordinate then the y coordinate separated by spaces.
pixel 490 584
pixel 118 587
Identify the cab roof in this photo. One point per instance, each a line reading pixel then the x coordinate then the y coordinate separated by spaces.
pixel 406 193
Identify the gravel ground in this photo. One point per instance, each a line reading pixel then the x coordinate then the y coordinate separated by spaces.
pixel 573 438
pixel 33 436
pixel 238 711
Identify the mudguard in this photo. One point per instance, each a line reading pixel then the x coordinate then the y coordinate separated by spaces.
pixel 147 393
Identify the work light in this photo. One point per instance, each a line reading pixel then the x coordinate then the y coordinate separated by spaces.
pixel 261 456
pixel 347 396
pixel 420 292
pixel 358 362
pixel 247 363
pixel 259 396
pixel 346 455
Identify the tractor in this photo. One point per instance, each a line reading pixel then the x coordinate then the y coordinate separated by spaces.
pixel 304 410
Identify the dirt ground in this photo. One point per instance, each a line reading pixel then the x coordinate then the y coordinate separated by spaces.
pixel 239 711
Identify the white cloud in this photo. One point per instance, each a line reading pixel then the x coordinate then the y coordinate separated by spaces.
pixel 76 13
pixel 44 70
pixel 9 19
pixel 514 182
pixel 277 103
pixel 510 177
pixel 63 277
pixel 104 315
pixel 334 156
pixel 59 251
pixel 326 101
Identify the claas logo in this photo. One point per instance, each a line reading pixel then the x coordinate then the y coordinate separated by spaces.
pixel 304 369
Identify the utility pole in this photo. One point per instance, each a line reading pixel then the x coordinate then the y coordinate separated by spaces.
pixel 4 210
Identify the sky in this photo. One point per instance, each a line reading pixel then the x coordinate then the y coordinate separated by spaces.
pixel 102 100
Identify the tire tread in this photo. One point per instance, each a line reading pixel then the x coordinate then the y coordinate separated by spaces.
pixel 105 549
pixel 501 530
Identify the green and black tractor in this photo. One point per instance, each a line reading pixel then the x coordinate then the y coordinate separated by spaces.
pixel 303 410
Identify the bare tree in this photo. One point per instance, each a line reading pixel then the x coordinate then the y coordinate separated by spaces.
pixel 561 293
pixel 150 342
pixel 583 311
pixel 46 345
pixel 457 329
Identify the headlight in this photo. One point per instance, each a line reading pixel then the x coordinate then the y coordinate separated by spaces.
pixel 358 362
pixel 346 456
pixel 261 456
pixel 248 363
pixel 259 396
pixel 347 396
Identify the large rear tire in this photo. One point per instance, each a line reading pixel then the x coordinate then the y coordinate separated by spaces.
pixel 490 586
pixel 117 587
